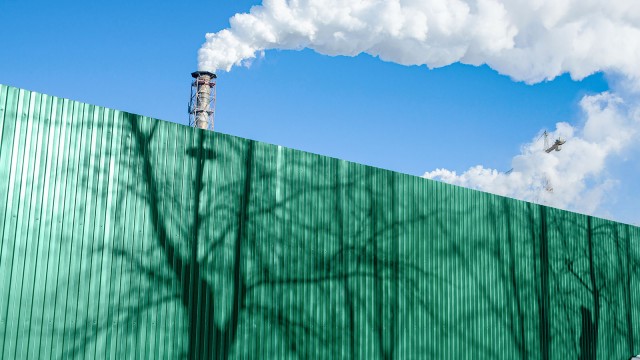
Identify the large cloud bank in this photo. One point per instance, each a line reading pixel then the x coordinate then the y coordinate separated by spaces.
pixel 528 40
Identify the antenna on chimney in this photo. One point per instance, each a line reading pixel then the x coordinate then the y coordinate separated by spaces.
pixel 203 100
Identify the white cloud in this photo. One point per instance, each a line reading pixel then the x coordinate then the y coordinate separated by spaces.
pixel 577 173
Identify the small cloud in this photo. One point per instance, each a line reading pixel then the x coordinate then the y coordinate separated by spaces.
pixel 575 178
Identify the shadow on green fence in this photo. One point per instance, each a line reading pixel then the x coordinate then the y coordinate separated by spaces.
pixel 161 241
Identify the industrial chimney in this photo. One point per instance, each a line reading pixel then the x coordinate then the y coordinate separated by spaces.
pixel 203 100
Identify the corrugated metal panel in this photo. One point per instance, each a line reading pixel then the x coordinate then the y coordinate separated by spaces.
pixel 123 235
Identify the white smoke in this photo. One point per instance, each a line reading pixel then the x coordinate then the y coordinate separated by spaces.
pixel 528 40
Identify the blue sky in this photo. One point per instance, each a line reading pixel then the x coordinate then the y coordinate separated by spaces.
pixel 137 56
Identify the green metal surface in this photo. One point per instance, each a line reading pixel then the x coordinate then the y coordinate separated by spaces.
pixel 123 236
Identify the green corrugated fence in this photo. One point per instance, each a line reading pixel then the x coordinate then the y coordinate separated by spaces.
pixel 123 236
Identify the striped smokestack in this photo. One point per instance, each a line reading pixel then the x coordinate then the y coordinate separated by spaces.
pixel 202 105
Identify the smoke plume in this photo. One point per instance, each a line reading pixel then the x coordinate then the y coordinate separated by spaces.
pixel 528 40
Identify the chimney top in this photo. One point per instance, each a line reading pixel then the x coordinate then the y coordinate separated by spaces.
pixel 197 74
